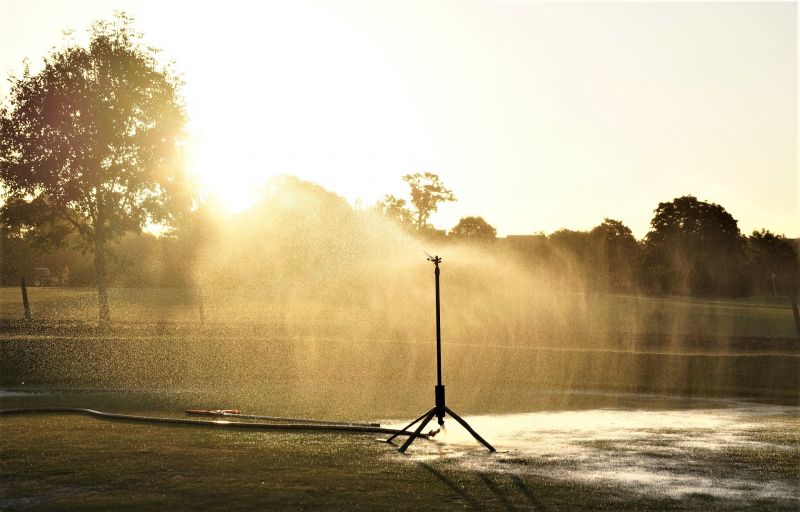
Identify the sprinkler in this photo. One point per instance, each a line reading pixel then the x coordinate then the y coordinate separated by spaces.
pixel 440 408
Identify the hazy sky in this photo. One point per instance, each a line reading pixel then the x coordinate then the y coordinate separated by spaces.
pixel 538 115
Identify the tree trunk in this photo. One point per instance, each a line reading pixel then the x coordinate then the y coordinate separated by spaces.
pixel 26 307
pixel 104 319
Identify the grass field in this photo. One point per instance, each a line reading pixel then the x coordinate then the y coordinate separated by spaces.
pixel 619 344
pixel 595 402
pixel 561 315
pixel 718 456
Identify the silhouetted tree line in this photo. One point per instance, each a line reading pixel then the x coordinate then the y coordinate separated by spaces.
pixel 683 263
pixel 693 248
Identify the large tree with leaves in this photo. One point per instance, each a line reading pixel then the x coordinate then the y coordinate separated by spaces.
pixel 615 255
pixel 694 247
pixel 473 229
pixel 90 145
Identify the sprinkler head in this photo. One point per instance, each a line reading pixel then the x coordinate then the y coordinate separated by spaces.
pixel 435 259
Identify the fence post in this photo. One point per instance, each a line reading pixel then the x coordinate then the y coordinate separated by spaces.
pixel 796 314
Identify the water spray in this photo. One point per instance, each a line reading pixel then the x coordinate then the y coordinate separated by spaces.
pixel 440 408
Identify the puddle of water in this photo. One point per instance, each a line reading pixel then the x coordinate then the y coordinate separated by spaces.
pixel 673 453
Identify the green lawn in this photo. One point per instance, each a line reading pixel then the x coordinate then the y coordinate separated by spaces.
pixel 53 462
pixel 355 362
pixel 330 355
pixel 573 317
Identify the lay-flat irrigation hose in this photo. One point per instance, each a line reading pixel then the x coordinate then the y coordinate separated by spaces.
pixel 209 423
pixel 224 414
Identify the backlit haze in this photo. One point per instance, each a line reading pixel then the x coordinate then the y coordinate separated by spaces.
pixel 537 115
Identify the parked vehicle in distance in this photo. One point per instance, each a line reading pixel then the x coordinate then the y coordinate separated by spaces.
pixel 42 277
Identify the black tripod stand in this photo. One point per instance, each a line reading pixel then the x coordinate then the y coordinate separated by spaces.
pixel 440 409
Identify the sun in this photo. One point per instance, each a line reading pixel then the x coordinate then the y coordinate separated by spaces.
pixel 321 104
pixel 224 171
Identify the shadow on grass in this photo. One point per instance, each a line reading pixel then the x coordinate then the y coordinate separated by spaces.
pixel 497 489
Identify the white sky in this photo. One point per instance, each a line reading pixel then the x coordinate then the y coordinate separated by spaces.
pixel 538 115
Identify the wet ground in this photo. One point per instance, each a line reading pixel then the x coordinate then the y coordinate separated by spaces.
pixel 740 452
pixel 658 453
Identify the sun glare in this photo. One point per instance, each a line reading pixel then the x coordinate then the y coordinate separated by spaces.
pixel 225 175
pixel 326 113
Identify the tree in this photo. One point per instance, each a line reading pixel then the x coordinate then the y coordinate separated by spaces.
pixel 427 191
pixel 773 263
pixel 615 253
pixel 297 239
pixel 473 229
pixel 568 255
pixel 694 247
pixel 93 142
pixel 395 210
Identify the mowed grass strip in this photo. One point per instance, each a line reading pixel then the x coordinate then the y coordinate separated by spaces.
pixel 561 316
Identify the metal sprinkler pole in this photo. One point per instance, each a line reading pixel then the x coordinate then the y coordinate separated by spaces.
pixel 439 409
pixel 440 402
pixel 438 328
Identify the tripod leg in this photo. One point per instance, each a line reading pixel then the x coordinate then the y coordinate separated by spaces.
pixel 469 429
pixel 407 426
pixel 419 429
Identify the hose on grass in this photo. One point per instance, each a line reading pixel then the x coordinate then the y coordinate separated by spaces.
pixel 224 424
pixel 226 414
